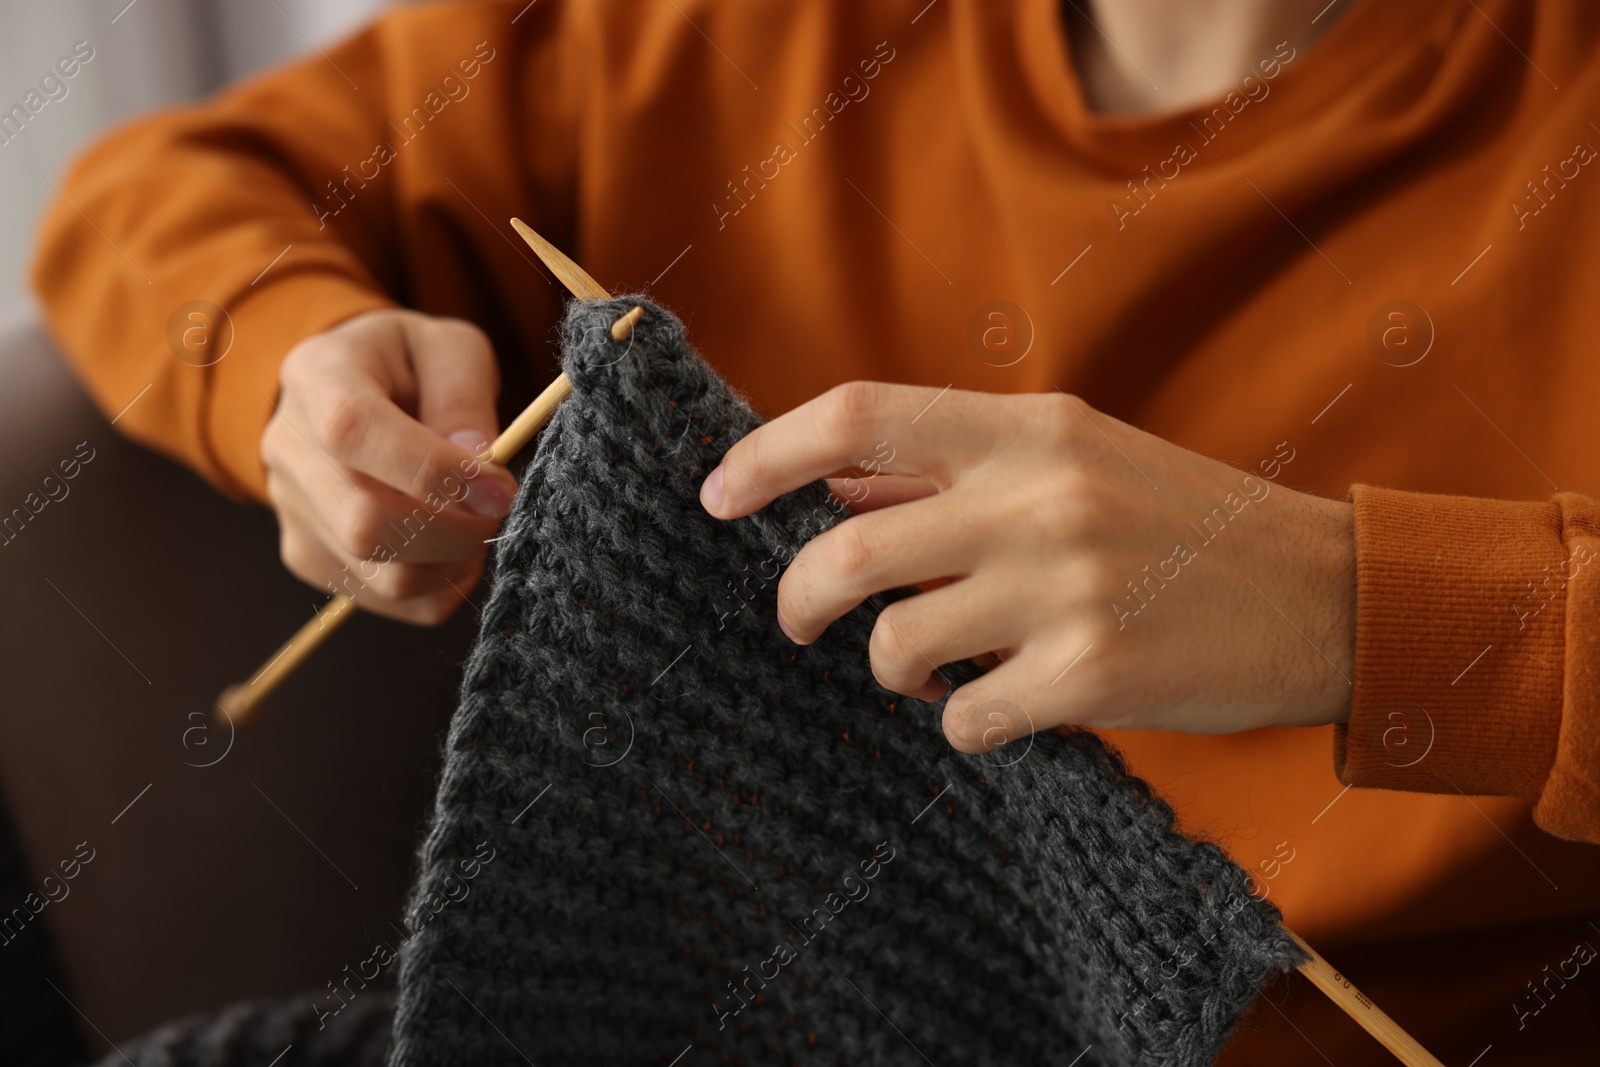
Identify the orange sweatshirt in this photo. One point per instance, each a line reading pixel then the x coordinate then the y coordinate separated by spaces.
pixel 1368 269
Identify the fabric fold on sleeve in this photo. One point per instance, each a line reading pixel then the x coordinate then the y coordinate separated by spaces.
pixel 184 255
pixel 1477 651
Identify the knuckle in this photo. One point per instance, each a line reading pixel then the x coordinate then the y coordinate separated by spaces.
pixel 1058 419
pixel 439 478
pixel 1072 505
pixel 896 663
pixel 1059 404
pixel 360 526
pixel 341 421
pixel 464 340
pixel 307 363
pixel 852 404
pixel 368 323
pixel 408 526
pixel 461 332
pixel 855 549
pixel 1065 504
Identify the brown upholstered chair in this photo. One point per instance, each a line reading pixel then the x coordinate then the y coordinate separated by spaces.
pixel 129 602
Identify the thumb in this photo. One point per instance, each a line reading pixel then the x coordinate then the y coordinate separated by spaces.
pixel 457 381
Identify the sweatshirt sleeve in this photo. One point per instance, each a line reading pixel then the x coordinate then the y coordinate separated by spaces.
pixel 1478 652
pixel 291 202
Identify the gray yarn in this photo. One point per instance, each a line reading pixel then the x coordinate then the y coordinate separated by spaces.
pixel 698 784
pixel 253 1033
pixel 672 790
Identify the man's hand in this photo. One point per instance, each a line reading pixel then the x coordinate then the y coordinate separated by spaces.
pixel 1123 581
pixel 371 462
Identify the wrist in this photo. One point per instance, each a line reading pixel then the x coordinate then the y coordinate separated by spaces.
pixel 1327 551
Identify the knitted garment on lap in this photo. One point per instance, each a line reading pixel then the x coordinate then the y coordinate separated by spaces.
pixel 710 845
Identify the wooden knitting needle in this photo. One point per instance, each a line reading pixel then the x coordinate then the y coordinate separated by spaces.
pixel 567 272
pixel 238 703
pixel 1372 1019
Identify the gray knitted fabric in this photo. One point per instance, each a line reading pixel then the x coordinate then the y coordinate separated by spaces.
pixel 713 843
pixel 710 846
pixel 256 1033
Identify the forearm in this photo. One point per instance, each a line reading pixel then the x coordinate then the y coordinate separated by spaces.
pixel 193 206
pixel 292 202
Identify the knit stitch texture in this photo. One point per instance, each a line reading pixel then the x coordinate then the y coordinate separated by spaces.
pixel 665 834
pixel 712 842
pixel 252 1033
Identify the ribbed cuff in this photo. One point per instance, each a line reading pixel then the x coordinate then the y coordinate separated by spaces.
pixel 1460 634
pixel 243 386
pixel 1570 804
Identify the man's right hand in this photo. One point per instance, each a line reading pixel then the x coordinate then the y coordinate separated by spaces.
pixel 372 466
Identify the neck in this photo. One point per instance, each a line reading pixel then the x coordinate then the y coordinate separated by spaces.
pixel 1144 56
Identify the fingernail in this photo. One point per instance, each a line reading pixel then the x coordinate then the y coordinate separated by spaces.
pixel 786 631
pixel 711 492
pixel 474 441
pixel 968 733
pixel 488 497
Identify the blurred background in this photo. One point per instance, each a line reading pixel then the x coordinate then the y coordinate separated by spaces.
pixel 146 54
pixel 134 602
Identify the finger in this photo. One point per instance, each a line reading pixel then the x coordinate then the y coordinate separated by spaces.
pixel 435 591
pixel 414 531
pixel 882 491
pixel 915 636
pixel 387 577
pixel 301 553
pixel 369 433
pixel 457 380
pixel 1007 704
pixel 360 516
pixel 866 554
pixel 866 424
pixel 423 594
pixel 378 522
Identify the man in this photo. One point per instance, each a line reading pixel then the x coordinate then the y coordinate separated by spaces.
pixel 1079 249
